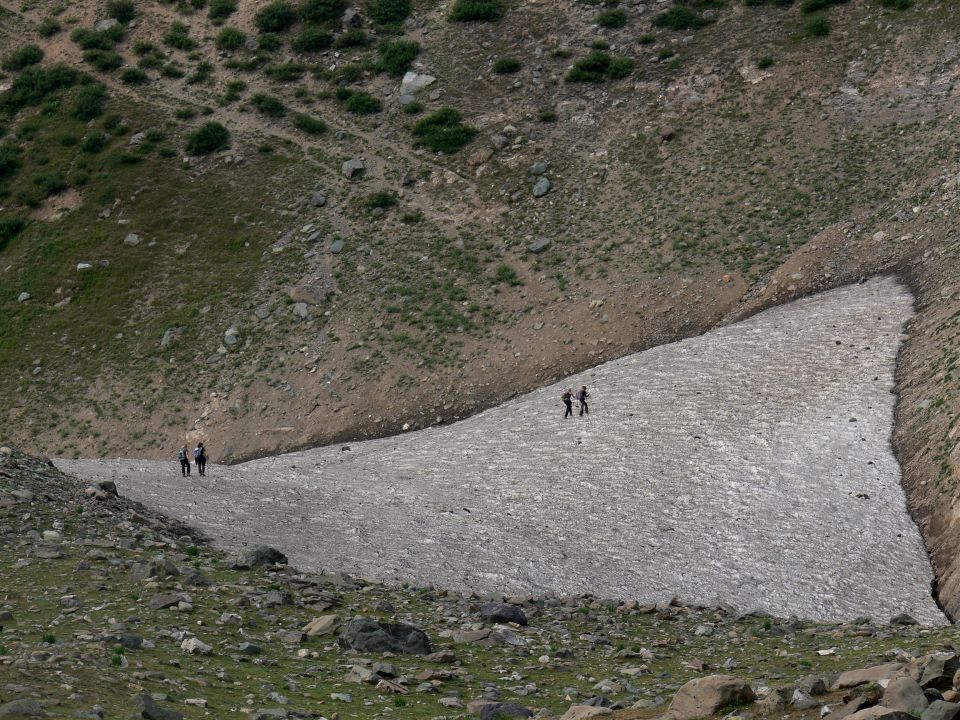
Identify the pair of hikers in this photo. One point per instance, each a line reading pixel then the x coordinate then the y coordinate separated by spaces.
pixel 581 396
pixel 199 457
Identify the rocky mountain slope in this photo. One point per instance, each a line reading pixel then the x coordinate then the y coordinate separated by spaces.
pixel 631 174
pixel 110 610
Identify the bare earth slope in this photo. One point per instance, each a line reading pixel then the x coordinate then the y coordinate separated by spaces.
pixel 750 465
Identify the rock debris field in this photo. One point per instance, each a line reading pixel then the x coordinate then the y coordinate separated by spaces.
pixel 751 466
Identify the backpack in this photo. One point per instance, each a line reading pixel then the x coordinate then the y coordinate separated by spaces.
pixel 565 397
pixel 182 455
pixel 198 453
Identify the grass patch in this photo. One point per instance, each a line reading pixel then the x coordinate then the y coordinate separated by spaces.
pixel 312 39
pixel 278 16
pixel 24 57
pixel 599 67
pixel 231 38
pixel 219 10
pixel 354 37
pixel 817 26
pixel 268 105
pixel 383 199
pixel 308 124
pixel 361 103
pixel 612 19
pixel 680 17
pixel 320 11
pixel 388 12
pixel 178 37
pixel 396 56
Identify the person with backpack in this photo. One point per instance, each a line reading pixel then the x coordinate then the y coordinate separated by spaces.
pixel 184 457
pixel 200 458
pixel 582 396
pixel 567 398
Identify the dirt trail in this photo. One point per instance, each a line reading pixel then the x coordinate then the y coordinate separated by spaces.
pixel 750 465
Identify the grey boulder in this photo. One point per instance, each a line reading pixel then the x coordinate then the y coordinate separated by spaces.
pixel 494 612
pixel 905 694
pixel 367 635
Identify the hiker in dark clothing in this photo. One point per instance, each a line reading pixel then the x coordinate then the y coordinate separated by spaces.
pixel 567 398
pixel 184 456
pixel 200 457
pixel 582 396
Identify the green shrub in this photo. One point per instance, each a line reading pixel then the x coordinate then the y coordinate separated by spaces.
pixel 765 62
pixel 547 115
pixel 35 84
pixel 396 56
pixel 412 217
pixel 412 108
pixel 355 37
pixel 88 103
pixel 506 66
pixel 287 72
pixel 443 131
pixel 808 7
pixel 612 19
pixel 897 4
pixel 269 42
pixel 178 36
pixel 268 105
pixel 361 103
pixel 93 144
pixel 620 67
pixel 817 26
pixel 24 57
pixel 202 73
pixel 103 60
pixel 121 10
pixel 598 66
pixel 10 227
pixel 506 274
pixel 388 12
pixel 318 11
pixel 145 47
pixel 9 160
pixel 208 138
pixel 680 17
pixel 134 76
pixel 383 199
pixel 312 39
pixel 172 70
pixel 473 10
pixel 92 40
pixel 50 184
pixel 278 16
pixel 647 39
pixel 48 28
pixel 230 38
pixel 220 10
pixel 309 125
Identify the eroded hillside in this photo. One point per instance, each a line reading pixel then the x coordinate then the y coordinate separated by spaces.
pixel 700 165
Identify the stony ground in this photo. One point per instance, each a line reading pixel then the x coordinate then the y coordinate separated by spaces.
pixel 108 609
pixel 749 466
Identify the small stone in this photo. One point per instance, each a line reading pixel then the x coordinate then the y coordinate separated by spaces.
pixel 412 83
pixel 538 168
pixel 301 310
pixel 336 247
pixel 231 336
pixel 318 199
pixel 542 187
pixel 106 24
pixel 23 297
pixel 323 625
pixel 132 240
pixel 541 245
pixel 354 168
pixel 195 646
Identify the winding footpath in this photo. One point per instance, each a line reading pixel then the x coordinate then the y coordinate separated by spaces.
pixel 751 465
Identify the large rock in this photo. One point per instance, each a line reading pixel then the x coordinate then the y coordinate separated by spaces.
pixel 323 625
pixel 495 710
pixel 494 612
pixel 354 168
pixel 24 708
pixel 905 693
pixel 941 710
pixel 412 83
pixel 147 708
pixel 542 187
pixel 196 646
pixel 702 697
pixel 583 712
pixel 264 555
pixel 367 635
pixel 874 674
pixel 879 712
pixel 939 670
pixel 165 600
pixel 106 24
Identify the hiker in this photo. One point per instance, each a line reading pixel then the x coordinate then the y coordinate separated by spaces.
pixel 567 398
pixel 200 458
pixel 184 456
pixel 582 396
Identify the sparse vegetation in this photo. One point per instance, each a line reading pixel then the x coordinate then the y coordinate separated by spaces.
pixel 122 11
pixel 474 10
pixel 320 11
pixel 765 62
pixel 817 26
pixel 361 103
pixel 10 227
pixel 383 199
pixel 134 76
pixel 219 10
pixel 49 27
pixel 443 131
pixel 354 37
pixel 680 17
pixel 178 36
